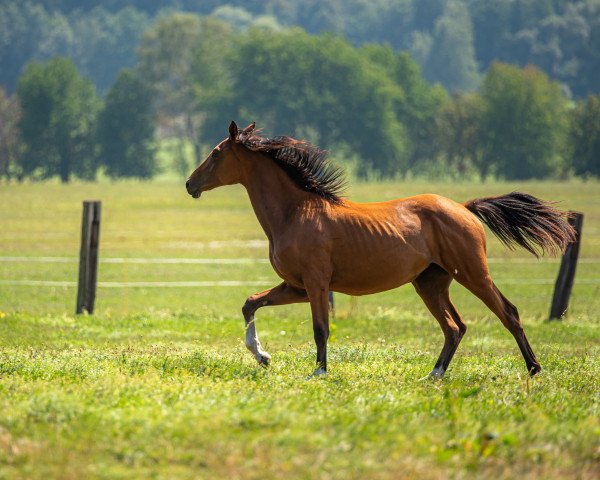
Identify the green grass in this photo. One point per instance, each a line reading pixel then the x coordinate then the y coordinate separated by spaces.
pixel 158 383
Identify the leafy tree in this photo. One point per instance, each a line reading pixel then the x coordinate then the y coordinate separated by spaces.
pixel 293 82
pixel 523 123
pixel 585 137
pixel 211 77
pixel 22 28
pixel 559 36
pixel 491 30
pixel 166 56
pixel 103 43
pixel 57 126
pixel 419 104
pixel 10 114
pixel 419 109
pixel 126 129
pixel 451 59
pixel 458 133
pixel 100 43
pixel 316 16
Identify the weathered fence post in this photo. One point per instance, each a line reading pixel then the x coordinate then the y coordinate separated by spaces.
pixel 566 274
pixel 88 257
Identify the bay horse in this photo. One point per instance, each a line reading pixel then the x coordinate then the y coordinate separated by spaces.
pixel 320 242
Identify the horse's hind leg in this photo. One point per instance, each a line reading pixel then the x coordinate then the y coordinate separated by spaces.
pixel 282 294
pixel 477 279
pixel 432 286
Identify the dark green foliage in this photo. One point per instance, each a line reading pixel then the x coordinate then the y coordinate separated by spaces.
pixel 459 134
pixel 100 43
pixel 57 127
pixel 451 58
pixel 585 137
pixel 560 37
pixel 182 57
pixel 22 29
pixel 165 55
pixel 370 104
pixel 419 105
pixel 524 123
pixel 126 129
pixel 294 83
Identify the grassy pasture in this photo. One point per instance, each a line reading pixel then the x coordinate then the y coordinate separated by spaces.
pixel 158 382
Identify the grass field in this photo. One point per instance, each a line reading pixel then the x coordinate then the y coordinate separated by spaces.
pixel 158 383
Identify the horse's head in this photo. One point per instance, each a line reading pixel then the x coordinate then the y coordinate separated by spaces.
pixel 221 167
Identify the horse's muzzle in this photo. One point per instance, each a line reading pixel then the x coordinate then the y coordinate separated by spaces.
pixel 194 192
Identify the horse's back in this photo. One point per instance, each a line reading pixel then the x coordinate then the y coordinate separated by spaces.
pixel 392 242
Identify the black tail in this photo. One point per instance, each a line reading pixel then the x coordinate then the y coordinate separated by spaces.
pixel 518 218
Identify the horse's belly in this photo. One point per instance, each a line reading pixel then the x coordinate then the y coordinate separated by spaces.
pixel 377 275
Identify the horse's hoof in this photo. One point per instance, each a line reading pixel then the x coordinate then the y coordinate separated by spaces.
pixel 264 359
pixel 434 376
pixel 319 372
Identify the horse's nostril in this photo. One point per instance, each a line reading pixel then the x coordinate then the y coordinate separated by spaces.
pixel 187 184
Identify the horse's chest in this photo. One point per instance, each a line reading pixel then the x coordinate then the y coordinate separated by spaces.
pixel 287 268
pixel 290 263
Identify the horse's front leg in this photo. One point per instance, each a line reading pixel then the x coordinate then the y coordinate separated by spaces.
pixel 282 294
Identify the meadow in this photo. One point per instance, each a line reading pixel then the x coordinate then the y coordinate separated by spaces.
pixel 157 383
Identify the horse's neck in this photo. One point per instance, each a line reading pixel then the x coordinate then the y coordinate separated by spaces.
pixel 273 195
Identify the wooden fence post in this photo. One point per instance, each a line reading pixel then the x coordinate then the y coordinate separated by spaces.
pixel 566 274
pixel 88 257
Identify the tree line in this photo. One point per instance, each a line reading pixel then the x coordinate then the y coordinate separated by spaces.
pixel 453 41
pixel 370 105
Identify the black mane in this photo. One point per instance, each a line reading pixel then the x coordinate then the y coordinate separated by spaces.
pixel 306 164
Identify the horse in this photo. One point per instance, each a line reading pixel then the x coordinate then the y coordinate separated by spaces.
pixel 321 242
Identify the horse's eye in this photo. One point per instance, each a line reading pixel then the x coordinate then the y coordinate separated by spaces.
pixel 215 154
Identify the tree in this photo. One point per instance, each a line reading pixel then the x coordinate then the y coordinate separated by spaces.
pixel 458 133
pixel 419 104
pixel 103 43
pixel 451 59
pixel 523 123
pixel 294 83
pixel 211 78
pixel 10 113
pixel 166 56
pixel 57 126
pixel 22 27
pixel 419 109
pixel 126 129
pixel 585 137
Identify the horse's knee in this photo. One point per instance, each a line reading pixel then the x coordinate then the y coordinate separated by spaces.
pixel 253 303
pixel 249 308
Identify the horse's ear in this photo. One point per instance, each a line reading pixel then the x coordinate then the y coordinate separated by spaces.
pixel 249 129
pixel 233 131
